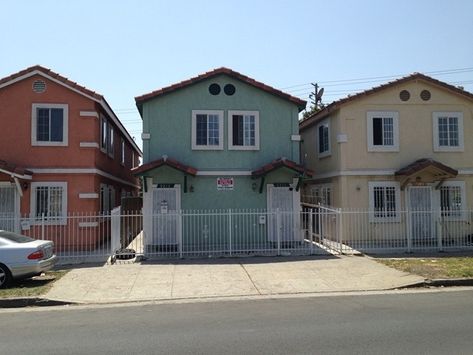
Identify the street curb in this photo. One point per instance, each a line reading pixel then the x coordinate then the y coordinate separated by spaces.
pixel 30 302
pixel 442 283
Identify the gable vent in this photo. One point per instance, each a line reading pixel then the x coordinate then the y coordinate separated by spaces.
pixel 39 86
pixel 425 95
pixel 404 95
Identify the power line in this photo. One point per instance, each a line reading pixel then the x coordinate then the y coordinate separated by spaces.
pixel 437 72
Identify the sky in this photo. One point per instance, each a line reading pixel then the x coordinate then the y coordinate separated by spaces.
pixel 123 49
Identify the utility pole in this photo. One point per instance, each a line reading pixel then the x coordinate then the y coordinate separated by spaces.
pixel 316 96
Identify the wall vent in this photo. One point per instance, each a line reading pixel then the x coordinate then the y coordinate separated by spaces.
pixel 404 95
pixel 39 86
pixel 425 95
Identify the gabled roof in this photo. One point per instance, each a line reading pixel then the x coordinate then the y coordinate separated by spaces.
pixel 72 85
pixel 281 163
pixel 210 74
pixel 309 121
pixel 425 163
pixel 14 170
pixel 164 161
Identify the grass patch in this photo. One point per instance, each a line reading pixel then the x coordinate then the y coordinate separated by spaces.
pixel 35 286
pixel 434 268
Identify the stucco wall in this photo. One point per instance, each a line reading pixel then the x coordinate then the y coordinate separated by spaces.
pixel 168 119
pixel 415 128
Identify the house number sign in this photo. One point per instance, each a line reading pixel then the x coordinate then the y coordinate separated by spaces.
pixel 224 183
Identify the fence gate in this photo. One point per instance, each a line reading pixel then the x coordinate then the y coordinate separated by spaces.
pixel 166 220
pixel 115 243
pixel 420 206
pixel 280 198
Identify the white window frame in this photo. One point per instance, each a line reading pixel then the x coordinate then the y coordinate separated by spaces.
pixel 103 131
pixel 34 121
pixel 122 151
pixel 435 125
pixel 397 199
pixel 111 141
pixel 462 216
pixel 62 220
pixel 230 130
pixel 219 113
pixel 369 123
pixel 328 152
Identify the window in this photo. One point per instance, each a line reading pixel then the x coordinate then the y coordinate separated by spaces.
pixel 103 134
pixel 122 152
pixel 384 201
pixel 323 139
pixel 207 130
pixel 383 131
pixel 448 131
pixel 49 201
pixel 452 197
pixel 107 143
pixel 107 198
pixel 49 124
pixel 321 194
pixel 111 143
pixel 243 130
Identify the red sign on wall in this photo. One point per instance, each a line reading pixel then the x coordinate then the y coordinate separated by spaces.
pixel 224 183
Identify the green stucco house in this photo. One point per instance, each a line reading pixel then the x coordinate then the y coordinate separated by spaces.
pixel 216 142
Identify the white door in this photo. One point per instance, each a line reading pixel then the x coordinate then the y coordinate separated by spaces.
pixel 166 221
pixel 8 207
pixel 281 198
pixel 421 214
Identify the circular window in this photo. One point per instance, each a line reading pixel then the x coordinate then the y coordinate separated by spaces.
pixel 229 89
pixel 425 95
pixel 39 86
pixel 214 89
pixel 404 95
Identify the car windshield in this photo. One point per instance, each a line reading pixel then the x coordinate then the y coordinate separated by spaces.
pixel 14 237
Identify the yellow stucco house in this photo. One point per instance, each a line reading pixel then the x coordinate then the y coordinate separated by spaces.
pixel 395 151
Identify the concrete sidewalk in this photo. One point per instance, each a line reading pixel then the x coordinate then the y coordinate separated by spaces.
pixel 225 277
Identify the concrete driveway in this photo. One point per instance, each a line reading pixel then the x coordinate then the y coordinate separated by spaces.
pixel 226 277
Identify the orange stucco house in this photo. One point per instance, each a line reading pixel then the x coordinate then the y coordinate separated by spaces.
pixel 63 152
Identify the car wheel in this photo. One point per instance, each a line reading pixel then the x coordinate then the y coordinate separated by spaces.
pixel 5 276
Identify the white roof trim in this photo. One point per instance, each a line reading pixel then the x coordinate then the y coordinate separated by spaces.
pixel 24 177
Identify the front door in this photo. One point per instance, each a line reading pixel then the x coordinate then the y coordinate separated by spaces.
pixel 166 218
pixel 8 207
pixel 281 198
pixel 421 214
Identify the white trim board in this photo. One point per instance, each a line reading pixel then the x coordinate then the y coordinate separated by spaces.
pixel 369 172
pixel 88 145
pixel 88 224
pixel 93 114
pixel 81 171
pixel 88 195
pixel 223 172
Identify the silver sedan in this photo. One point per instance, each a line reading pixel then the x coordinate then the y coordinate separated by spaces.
pixel 22 256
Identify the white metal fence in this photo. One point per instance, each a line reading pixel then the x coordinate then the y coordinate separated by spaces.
pixel 314 230
pixel 406 231
pixel 213 233
pixel 77 237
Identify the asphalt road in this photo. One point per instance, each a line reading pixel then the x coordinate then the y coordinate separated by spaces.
pixel 421 323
